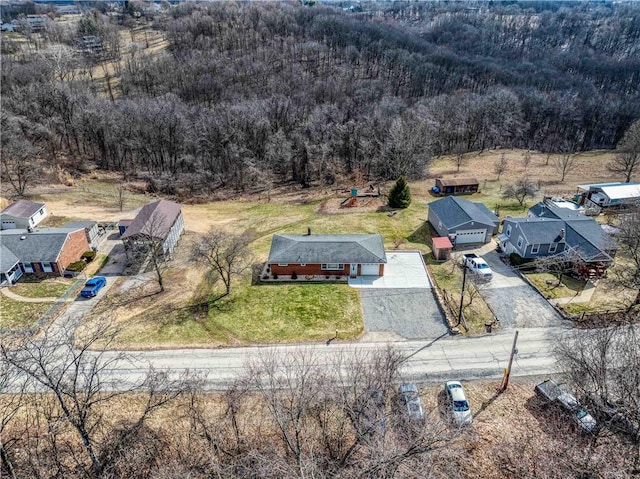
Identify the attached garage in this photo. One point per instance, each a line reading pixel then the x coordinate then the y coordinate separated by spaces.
pixel 470 236
pixel 370 270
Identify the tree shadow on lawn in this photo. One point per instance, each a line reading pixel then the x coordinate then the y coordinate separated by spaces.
pixel 423 234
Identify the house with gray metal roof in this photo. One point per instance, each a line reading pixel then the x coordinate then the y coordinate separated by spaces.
pixel 161 221
pixel 463 221
pixel 551 230
pixel 337 255
pixel 23 214
pixel 40 251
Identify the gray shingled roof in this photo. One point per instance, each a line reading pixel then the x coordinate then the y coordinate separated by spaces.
pixel 22 209
pixel 155 219
pixel 7 259
pixel 589 240
pixel 536 230
pixel 40 246
pixel 542 210
pixel 454 211
pixel 321 248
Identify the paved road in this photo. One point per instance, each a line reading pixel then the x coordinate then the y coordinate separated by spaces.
pixel 433 361
pixel 513 301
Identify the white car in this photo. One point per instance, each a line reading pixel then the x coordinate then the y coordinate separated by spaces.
pixel 460 409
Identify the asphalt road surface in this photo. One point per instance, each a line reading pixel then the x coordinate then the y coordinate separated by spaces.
pixel 447 357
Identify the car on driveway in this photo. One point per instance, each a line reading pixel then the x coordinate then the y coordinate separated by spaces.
pixel 92 286
pixel 460 409
pixel 409 399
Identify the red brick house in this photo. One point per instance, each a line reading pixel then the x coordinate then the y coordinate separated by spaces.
pixel 327 254
pixel 43 251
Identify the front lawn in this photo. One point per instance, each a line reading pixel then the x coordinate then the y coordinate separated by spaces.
pixel 16 314
pixel 264 313
pixel 47 288
pixel 547 284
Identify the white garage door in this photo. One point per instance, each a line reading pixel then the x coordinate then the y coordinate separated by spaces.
pixel 369 270
pixel 8 225
pixel 470 236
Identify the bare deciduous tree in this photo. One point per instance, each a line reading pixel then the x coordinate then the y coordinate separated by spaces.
pixel 627 161
pixel 558 264
pixel 522 189
pixel 627 272
pixel 75 368
pixel 226 255
pixel 500 166
pixel 564 164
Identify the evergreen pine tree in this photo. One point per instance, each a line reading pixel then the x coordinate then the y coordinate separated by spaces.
pixel 400 195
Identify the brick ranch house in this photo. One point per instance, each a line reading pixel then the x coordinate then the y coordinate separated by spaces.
pixel 326 254
pixel 40 251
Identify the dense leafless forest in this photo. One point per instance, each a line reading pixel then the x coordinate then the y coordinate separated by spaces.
pixel 249 93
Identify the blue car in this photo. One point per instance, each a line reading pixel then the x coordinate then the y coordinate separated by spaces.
pixel 92 286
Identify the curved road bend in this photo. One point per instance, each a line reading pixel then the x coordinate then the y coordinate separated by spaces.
pixel 444 358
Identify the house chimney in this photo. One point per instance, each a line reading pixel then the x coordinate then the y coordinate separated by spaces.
pixel 308 230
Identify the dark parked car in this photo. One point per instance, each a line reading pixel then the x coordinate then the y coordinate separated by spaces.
pixel 409 399
pixel 92 286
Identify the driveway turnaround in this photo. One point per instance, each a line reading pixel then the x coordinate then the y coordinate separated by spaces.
pixel 514 302
pixel 400 304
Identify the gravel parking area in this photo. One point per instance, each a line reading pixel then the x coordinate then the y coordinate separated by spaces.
pixel 401 304
pixel 514 302
pixel 408 313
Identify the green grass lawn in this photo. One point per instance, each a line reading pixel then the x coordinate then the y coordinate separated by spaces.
pixel 41 289
pixel 546 284
pixel 267 313
pixel 16 314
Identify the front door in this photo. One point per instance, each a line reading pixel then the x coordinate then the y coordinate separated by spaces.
pixel 353 271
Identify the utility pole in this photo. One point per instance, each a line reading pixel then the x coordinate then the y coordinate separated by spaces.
pixel 507 372
pixel 464 280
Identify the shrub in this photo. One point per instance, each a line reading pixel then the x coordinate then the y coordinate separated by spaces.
pixel 294 275
pixel 275 276
pixel 89 256
pixel 77 266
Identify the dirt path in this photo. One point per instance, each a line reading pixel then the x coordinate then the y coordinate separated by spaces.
pixel 23 299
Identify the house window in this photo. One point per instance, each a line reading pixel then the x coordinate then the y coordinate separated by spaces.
pixel 509 230
pixel 553 247
pixel 520 241
pixel 47 267
pixel 535 248
pixel 302 265
pixel 283 264
pixel 28 267
pixel 332 266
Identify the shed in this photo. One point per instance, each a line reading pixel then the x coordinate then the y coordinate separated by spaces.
pixel 442 247
pixel 456 186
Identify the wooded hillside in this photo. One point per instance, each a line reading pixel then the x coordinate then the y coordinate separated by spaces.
pixel 247 94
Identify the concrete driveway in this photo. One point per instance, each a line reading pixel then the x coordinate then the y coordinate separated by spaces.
pixel 401 304
pixel 514 302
